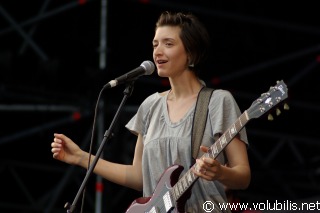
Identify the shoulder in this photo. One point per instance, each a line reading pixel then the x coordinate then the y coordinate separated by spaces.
pixel 221 95
pixel 153 98
pixel 222 100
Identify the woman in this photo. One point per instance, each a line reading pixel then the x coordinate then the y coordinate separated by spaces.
pixel 163 123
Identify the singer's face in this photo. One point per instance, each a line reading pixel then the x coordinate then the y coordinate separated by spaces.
pixel 169 53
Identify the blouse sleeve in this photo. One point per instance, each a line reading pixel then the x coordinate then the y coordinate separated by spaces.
pixel 223 112
pixel 138 123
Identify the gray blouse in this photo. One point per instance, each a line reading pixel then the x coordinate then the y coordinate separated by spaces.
pixel 167 143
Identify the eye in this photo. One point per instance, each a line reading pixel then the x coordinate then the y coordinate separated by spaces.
pixel 154 45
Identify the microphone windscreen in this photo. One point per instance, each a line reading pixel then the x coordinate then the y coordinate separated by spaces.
pixel 148 66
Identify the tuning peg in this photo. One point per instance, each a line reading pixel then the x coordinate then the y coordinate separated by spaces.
pixel 278 112
pixel 270 117
pixel 286 106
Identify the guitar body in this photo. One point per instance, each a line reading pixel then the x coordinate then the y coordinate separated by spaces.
pixel 156 203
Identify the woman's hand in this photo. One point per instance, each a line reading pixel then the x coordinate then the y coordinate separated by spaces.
pixel 64 149
pixel 208 168
pixel 235 175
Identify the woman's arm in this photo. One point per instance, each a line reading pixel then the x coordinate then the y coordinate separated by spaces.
pixel 236 175
pixel 64 149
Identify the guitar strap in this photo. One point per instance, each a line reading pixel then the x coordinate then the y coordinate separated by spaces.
pixel 199 119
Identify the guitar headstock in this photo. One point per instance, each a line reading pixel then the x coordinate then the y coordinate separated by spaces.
pixel 269 100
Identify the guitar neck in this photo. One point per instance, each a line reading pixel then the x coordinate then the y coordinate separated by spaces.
pixel 189 177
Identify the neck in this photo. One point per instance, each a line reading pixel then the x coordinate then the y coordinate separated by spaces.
pixel 184 89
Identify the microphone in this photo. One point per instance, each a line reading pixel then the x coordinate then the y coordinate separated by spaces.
pixel 145 68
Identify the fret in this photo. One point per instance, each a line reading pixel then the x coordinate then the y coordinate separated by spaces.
pixel 244 118
pixel 189 175
pixel 210 151
pixel 230 133
pixel 238 124
pixel 193 176
pixel 233 130
pixel 180 187
pixel 223 139
pixel 219 143
pixel 184 183
pixel 215 150
pixel 176 191
pixel 246 114
pixel 173 193
pixel 240 120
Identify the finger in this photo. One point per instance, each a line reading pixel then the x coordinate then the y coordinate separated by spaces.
pixel 58 140
pixel 59 136
pixel 199 172
pixel 204 149
pixel 203 172
pixel 200 163
pixel 200 168
pixel 55 149
pixel 196 167
pixel 209 162
pixel 206 162
pixel 55 155
pixel 56 145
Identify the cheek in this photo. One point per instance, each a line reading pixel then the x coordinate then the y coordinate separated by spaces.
pixel 153 56
pixel 181 57
pixel 181 61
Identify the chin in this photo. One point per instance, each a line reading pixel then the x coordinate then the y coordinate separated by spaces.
pixel 162 74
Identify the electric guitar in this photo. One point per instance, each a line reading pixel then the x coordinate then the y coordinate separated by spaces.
pixel 172 192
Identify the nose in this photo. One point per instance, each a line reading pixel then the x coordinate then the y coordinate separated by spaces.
pixel 157 50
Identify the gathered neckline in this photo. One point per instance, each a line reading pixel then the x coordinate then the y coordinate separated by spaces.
pixel 166 112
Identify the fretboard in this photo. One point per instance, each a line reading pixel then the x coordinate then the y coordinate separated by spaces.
pixel 189 177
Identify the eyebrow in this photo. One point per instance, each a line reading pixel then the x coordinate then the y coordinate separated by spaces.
pixel 165 39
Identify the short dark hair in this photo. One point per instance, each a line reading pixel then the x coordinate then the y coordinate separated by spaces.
pixel 194 35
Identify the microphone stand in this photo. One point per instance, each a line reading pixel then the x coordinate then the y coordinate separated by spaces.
pixel 127 93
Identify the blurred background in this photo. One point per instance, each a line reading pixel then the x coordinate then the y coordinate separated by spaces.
pixel 55 57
